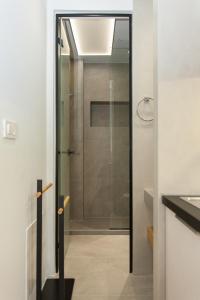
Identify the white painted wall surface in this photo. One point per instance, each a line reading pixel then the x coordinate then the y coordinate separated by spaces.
pixel 22 161
pixel 91 5
pixel 182 260
pixel 143 141
pixel 177 90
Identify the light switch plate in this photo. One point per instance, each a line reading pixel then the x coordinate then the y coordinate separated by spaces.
pixel 9 129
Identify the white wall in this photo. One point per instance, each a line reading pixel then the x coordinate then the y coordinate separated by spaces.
pixel 177 90
pixel 143 148
pixel 22 161
pixel 89 5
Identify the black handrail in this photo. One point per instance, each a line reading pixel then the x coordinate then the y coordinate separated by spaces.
pixel 61 250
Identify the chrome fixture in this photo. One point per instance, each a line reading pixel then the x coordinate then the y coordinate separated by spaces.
pixel 139 114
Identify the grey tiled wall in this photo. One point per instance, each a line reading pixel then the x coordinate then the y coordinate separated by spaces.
pixel 76 141
pixel 100 169
pixel 106 149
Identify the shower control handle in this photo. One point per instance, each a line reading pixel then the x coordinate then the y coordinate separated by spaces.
pixel 70 152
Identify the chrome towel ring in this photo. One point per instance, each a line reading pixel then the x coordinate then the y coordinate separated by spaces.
pixel 139 114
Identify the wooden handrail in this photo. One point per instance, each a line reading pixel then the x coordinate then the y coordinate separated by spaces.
pixel 66 201
pixel 44 190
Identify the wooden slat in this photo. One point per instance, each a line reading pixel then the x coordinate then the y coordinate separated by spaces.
pixel 44 190
pixel 150 235
pixel 66 202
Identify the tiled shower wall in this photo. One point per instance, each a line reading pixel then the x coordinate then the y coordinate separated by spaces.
pixel 104 162
pixel 76 140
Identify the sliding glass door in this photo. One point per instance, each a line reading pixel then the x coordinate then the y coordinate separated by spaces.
pixel 63 122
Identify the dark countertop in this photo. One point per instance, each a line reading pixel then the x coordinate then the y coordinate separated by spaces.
pixel 189 213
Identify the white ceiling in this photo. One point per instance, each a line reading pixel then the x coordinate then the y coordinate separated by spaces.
pixel 93 36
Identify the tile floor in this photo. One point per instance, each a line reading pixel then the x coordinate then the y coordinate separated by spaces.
pixel 99 224
pixel 100 266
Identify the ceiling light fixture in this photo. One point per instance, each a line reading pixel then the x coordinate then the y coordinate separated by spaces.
pixel 93 36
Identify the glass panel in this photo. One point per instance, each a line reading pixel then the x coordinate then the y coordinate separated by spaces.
pixel 119 130
pixel 99 134
pixel 63 121
pixel 100 113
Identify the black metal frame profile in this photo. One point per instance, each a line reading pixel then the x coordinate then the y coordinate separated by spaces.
pixel 39 243
pixel 129 16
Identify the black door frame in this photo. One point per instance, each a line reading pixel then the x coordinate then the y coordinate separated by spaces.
pixel 129 16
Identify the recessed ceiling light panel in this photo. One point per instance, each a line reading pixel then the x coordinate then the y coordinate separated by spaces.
pixel 93 36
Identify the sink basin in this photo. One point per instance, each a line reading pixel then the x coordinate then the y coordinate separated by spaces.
pixel 194 200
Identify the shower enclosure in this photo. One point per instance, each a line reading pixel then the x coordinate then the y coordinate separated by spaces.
pixel 93 129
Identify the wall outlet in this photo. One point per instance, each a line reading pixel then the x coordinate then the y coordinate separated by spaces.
pixel 9 129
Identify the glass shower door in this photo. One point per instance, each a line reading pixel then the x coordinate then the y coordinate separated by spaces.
pixel 119 165
pixel 119 98
pixel 63 123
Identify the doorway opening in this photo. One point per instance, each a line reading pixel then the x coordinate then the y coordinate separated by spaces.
pixel 94 125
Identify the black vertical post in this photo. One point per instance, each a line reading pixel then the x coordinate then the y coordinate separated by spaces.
pixel 61 250
pixel 39 243
pixel 130 152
